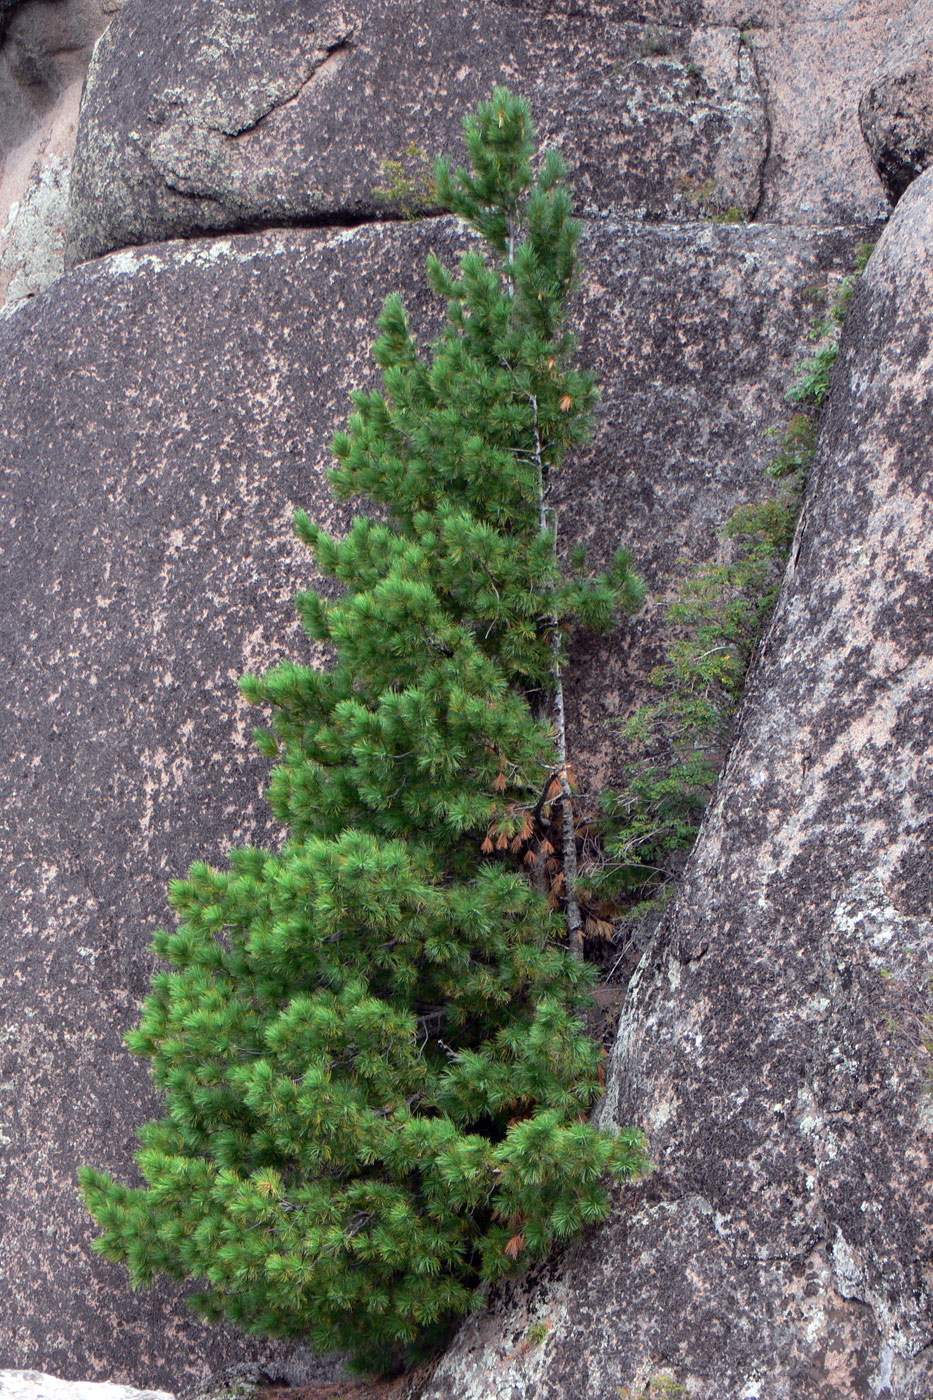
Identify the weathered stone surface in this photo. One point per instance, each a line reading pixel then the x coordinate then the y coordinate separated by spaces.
pixel 896 113
pixel 814 59
pixel 45 49
pixel 33 200
pixel 33 1385
pixel 199 117
pixel 42 66
pixel 775 1043
pixel 176 141
pixel 6 9
pixel 161 413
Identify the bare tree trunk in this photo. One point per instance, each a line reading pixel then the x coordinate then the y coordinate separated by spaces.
pixel 574 916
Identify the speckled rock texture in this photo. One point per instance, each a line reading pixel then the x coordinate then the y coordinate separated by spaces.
pixel 283 111
pixel 45 47
pixel 151 464
pixel 814 60
pixel 896 113
pixel 775 1044
pixel 202 117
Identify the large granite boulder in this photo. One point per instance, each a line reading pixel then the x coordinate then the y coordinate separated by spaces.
pixel 152 460
pixel 163 409
pixel 201 117
pixel 776 1042
pixel 814 60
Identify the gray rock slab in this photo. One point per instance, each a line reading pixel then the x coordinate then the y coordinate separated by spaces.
pixel 775 1045
pixel 162 412
pixel 199 117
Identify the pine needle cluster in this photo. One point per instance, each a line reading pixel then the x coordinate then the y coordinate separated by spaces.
pixel 370 1043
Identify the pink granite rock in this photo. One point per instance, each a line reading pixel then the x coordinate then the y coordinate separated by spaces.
pixel 45 48
pixel 198 118
pixel 814 59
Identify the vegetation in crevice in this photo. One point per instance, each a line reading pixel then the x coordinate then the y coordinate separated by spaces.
pixel 656 42
pixel 716 619
pixel 711 203
pixel 409 183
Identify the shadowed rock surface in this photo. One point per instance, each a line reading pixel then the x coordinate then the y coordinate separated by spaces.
pixel 151 466
pixel 281 112
pixel 896 113
pixel 45 47
pixel 6 9
pixel 774 1044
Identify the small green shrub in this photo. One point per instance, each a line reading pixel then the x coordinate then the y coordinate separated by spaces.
pixel 661 1387
pixel 655 43
pixel 812 384
pixel 409 183
pixel 732 215
pixel 370 1041
pixel 711 203
pixel 747 31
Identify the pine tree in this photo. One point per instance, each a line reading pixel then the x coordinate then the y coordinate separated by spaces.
pixel 370 1043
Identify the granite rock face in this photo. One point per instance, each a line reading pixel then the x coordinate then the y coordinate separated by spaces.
pixel 896 113
pixel 201 118
pixel 775 1040
pixel 45 47
pixel 162 411
pixel 151 466
pixel 814 59
pixel 277 112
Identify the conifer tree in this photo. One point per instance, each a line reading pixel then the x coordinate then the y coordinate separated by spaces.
pixel 370 1042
